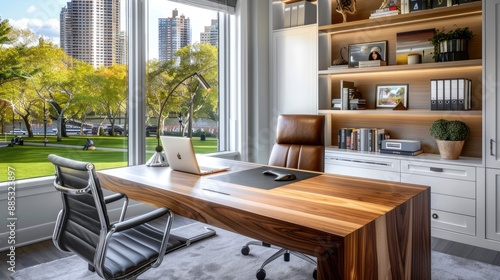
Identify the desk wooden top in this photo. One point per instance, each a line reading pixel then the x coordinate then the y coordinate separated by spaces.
pixel 327 205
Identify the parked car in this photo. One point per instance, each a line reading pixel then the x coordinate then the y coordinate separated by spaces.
pixel 18 131
pixel 151 130
pixel 119 130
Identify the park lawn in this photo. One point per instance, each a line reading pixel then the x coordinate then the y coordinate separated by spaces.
pixel 31 161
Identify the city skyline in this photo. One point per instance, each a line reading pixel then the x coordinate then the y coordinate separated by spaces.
pixel 42 17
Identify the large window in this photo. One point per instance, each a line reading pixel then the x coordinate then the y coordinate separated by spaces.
pixel 57 91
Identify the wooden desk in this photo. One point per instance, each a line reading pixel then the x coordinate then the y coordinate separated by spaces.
pixel 357 228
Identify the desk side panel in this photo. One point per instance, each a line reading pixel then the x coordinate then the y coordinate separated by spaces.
pixel 394 246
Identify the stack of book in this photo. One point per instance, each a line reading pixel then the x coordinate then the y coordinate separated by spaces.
pixel 451 94
pixel 361 139
pixel 357 104
pixel 338 67
pixel 354 104
pixel 384 12
pixel 371 63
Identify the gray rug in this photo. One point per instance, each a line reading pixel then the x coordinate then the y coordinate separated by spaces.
pixel 219 257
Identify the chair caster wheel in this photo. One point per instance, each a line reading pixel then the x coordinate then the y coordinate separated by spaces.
pixel 245 250
pixel 261 274
pixel 315 274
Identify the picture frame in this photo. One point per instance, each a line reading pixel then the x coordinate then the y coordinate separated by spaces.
pixel 414 42
pixel 362 52
pixel 389 96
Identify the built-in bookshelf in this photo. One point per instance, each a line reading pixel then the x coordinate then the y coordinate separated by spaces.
pixel 414 122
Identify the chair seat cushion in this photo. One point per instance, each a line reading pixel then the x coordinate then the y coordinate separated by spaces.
pixel 133 250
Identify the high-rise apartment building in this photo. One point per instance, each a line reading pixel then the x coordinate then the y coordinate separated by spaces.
pixel 90 31
pixel 173 33
pixel 211 34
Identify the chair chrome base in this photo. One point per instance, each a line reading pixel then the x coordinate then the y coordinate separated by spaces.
pixel 261 273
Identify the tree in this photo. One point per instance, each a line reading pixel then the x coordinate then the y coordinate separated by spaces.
pixel 200 58
pixel 161 81
pixel 55 82
pixel 110 87
pixel 10 55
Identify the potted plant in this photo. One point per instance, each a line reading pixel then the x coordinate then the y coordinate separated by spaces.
pixel 451 45
pixel 450 137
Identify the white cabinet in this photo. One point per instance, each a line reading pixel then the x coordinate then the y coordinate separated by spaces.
pixel 492 204
pixel 491 77
pixel 294 70
pixel 491 103
pixel 453 193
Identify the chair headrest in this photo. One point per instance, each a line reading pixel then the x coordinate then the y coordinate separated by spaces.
pixel 301 129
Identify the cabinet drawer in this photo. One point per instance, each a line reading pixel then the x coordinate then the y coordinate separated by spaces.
pixel 362 166
pixel 350 170
pixel 444 186
pixel 453 204
pixel 360 161
pixel 453 222
pixel 459 172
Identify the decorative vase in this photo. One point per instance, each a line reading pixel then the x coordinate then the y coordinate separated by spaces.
pixel 450 149
pixel 453 50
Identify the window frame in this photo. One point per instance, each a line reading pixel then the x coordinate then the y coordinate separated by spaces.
pixel 137 30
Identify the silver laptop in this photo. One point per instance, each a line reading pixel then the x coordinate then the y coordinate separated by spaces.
pixel 181 156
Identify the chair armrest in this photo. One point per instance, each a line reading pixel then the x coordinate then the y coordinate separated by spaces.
pixel 113 197
pixel 141 219
pixel 117 196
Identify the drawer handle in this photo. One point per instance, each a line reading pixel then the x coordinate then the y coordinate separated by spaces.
pixel 435 216
pixel 436 169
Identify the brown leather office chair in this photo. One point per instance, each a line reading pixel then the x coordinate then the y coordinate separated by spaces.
pixel 300 144
pixel 121 250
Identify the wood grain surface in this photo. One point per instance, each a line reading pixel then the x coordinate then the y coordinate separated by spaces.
pixel 357 228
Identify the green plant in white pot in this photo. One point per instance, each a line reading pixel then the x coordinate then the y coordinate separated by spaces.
pixel 451 45
pixel 450 137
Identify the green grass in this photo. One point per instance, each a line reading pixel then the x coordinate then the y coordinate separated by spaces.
pixel 31 161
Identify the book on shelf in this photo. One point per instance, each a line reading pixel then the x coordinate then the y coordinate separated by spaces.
pixel 338 67
pixel 371 63
pixel 385 13
pixel 361 139
pixel 403 153
pixel 344 138
pixel 346 88
pixel 357 104
pixel 418 5
pixel 451 94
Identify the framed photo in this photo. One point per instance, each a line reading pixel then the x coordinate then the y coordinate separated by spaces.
pixel 414 42
pixel 367 51
pixel 388 96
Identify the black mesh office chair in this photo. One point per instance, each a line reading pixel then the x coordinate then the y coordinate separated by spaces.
pixel 300 144
pixel 120 250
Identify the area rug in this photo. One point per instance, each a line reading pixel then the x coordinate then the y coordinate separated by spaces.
pixel 219 258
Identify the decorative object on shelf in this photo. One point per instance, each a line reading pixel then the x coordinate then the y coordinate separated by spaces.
pixel 366 51
pixel 389 96
pixel 414 58
pixel 451 45
pixel 345 7
pixel 159 158
pixel 450 137
pixel 341 60
pixel 400 106
pixel 388 3
pixel 414 42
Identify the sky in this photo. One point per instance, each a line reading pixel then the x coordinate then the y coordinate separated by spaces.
pixel 42 17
